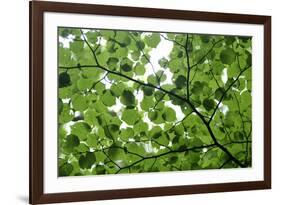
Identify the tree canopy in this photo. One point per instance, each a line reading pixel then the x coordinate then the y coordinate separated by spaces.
pixel 133 102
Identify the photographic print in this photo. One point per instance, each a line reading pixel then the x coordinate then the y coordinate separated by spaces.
pixel 138 101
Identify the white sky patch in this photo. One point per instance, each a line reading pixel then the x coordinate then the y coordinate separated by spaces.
pixel 139 98
pixel 204 149
pixel 223 108
pixel 169 77
pixel 224 76
pixel 163 49
pixel 149 148
pixel 67 126
pixel 117 107
pixel 180 115
pixel 130 83
pixel 66 100
pixel 147 120
pixel 106 83
pixel 102 41
pixel 66 41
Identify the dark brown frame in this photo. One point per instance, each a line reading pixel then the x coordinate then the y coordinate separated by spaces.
pixel 37 9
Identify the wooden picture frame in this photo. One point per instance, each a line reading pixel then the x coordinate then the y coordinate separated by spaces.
pixel 37 10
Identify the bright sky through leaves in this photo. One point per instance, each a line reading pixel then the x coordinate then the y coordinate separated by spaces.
pixel 133 102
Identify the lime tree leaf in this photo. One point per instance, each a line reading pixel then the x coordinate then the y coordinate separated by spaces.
pixel 126 65
pixel 66 114
pixel 208 104
pixel 127 98
pixel 86 162
pixel 140 127
pixel 123 38
pixel 147 103
pixel 152 40
pixel 130 116
pixel 227 56
pixel 65 169
pixel 139 69
pixel 64 80
pixel 219 93
pixel 116 153
pixel 60 106
pixel 169 114
pixel 79 102
pixel 80 129
pixel 72 141
pixel 112 63
pixel 108 99
pixel 127 133
pixel 84 84
pixel 180 81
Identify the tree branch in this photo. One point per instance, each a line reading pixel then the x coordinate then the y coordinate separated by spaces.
pixel 223 95
pixel 127 77
pixel 163 154
pixel 208 52
pixel 174 41
pixel 90 47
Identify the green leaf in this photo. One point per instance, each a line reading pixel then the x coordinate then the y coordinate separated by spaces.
pixel 227 56
pixel 123 38
pixel 116 153
pixel 65 170
pixel 130 116
pixel 163 62
pixel 92 37
pixel 126 133
pixel 197 87
pixel 108 99
pixel 127 98
pixel 90 117
pixel 180 81
pixel 79 102
pixel 86 162
pixel 208 104
pixel 147 103
pixel 60 106
pixel 140 45
pixel 205 38
pixel 126 65
pixel 169 115
pixel 139 69
pixel 84 84
pixel 140 127
pixel 112 63
pixel 92 140
pixel 148 91
pixel 219 93
pixel 66 115
pixel 152 40
pixel 72 141
pixel 80 129
pixel 64 80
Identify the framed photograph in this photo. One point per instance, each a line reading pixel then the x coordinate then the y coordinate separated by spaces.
pixel 137 102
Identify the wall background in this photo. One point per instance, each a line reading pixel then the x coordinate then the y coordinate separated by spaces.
pixel 14 101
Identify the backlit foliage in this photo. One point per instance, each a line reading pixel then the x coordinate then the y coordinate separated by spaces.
pixel 132 102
